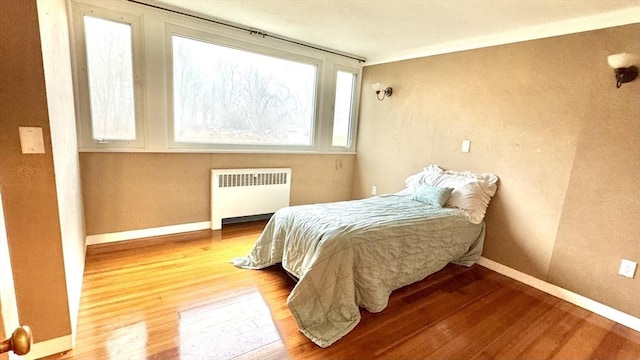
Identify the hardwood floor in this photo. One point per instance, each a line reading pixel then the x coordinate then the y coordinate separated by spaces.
pixel 183 300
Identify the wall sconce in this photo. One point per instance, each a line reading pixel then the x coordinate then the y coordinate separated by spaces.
pixel 623 66
pixel 379 88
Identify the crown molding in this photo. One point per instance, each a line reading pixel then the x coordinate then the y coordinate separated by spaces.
pixel 577 25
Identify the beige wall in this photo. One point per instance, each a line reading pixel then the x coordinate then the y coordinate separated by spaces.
pixel 129 191
pixel 545 116
pixel 27 182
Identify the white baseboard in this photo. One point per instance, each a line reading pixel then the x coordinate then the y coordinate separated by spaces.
pixel 564 294
pixel 143 233
pixel 45 348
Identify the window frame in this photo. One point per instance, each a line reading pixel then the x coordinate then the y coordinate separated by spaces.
pixel 81 80
pixel 355 96
pixel 211 38
pixel 152 51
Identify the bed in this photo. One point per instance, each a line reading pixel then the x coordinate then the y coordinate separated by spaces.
pixel 353 254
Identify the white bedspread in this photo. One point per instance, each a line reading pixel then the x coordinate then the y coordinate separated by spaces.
pixel 355 253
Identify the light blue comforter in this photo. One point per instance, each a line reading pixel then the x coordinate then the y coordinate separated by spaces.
pixel 355 253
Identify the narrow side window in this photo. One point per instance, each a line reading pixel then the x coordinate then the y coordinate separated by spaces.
pixel 343 108
pixel 110 77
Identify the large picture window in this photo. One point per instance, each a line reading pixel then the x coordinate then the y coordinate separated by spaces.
pixel 223 95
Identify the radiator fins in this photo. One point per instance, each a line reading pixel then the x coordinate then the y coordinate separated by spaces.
pixel 250 179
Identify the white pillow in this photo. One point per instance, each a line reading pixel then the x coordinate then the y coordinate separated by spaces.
pixel 471 192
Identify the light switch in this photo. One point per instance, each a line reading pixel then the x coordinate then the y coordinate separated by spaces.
pixel 466 146
pixel 31 140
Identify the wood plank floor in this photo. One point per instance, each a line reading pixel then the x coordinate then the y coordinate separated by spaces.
pixel 183 300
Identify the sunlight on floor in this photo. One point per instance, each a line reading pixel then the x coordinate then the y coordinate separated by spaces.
pixel 227 328
pixel 131 339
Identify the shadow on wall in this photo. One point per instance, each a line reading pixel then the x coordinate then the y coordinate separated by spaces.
pixel 499 216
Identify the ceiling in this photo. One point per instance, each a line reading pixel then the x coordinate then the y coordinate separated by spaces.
pixel 389 30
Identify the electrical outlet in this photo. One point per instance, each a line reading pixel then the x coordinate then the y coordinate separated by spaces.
pixel 374 190
pixel 627 268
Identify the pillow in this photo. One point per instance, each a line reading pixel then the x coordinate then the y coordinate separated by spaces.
pixel 432 195
pixel 471 192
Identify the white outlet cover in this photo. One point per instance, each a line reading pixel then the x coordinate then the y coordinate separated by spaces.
pixel 627 268
pixel 466 146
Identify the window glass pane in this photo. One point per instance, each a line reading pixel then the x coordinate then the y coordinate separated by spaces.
pixel 229 96
pixel 110 70
pixel 345 82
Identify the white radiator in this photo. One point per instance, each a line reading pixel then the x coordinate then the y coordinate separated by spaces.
pixel 244 192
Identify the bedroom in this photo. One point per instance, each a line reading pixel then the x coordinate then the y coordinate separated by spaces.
pixel 554 128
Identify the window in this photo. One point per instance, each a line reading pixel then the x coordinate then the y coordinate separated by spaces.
pixel 229 96
pixel 181 84
pixel 108 60
pixel 343 108
pixel 110 73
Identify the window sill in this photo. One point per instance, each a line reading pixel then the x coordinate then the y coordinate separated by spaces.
pixel 216 151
